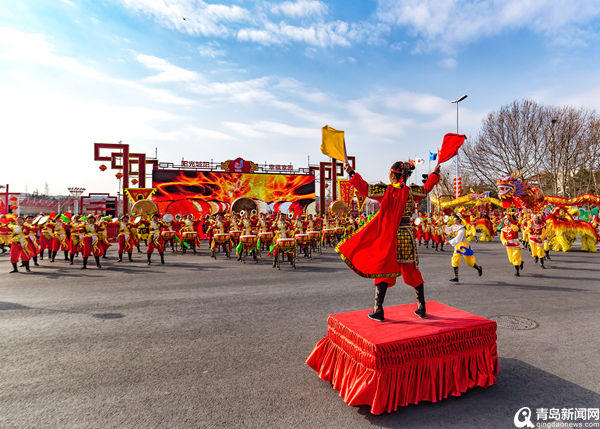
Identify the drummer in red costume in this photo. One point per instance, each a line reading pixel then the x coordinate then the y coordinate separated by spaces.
pixel 367 251
pixel 91 242
pixel 20 248
pixel 155 240
pixel 125 239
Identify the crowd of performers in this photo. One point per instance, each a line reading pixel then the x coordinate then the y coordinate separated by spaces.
pixel 69 237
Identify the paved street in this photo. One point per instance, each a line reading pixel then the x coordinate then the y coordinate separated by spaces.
pixel 199 343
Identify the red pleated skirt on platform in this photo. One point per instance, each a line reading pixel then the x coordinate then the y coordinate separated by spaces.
pixel 405 359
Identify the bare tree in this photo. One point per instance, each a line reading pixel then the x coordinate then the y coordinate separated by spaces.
pixel 557 148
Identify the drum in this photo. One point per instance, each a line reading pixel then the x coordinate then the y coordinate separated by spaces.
pixel 303 238
pixel 221 238
pixel 265 235
pixel 339 230
pixel 189 235
pixel 249 240
pixel 329 232
pixel 235 234
pixel 314 235
pixel 167 235
pixel 286 243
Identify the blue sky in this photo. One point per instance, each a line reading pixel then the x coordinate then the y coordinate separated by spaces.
pixel 259 79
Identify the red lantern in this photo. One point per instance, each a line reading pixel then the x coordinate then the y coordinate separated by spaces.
pixel 103 167
pixel 14 207
pixel 13 198
pixel 119 175
pixel 326 185
pixel 134 181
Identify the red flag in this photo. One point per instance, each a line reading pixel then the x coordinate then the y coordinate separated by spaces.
pixel 452 142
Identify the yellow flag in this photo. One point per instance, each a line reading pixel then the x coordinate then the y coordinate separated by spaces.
pixel 333 144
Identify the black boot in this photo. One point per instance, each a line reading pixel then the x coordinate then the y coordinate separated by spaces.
pixel 72 258
pixel 377 313
pixel 536 259
pixel 41 254
pixel 548 255
pixel 97 258
pixel 419 242
pixel 420 295
pixel 129 254
pixel 84 263
pixel 15 269
pixel 455 279
pixel 66 255
pixel 427 244
pixel 120 257
pixel 212 254
pixel 27 266
pixel 149 258
pixel 479 269
pixel 3 249
pixel 517 273
pixel 35 261
pixel 522 262
pixel 442 247
pixel 104 256
pixel 542 262
pixel 436 246
pixel 53 256
pixel 162 257
pixel 139 250
pixel 274 262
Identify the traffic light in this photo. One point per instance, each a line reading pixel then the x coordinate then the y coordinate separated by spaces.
pixel 425 177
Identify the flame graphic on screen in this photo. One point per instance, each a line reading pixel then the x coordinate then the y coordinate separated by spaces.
pixel 227 187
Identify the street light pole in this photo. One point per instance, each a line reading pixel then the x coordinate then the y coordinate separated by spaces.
pixel 457 101
pixel 76 193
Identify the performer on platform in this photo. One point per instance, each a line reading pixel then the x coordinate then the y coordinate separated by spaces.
pixel 462 249
pixel 509 236
pixel 367 252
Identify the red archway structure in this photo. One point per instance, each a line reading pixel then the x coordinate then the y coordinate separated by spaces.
pixel 118 161
pixel 329 172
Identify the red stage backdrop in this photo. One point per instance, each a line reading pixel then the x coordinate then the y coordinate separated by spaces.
pixel 203 192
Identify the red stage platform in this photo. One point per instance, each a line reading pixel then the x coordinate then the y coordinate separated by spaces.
pixel 405 359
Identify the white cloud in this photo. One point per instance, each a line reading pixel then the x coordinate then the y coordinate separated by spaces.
pixel 95 20
pixel 446 24
pixel 244 129
pixel 200 18
pixel 337 33
pixel 209 51
pixel 448 63
pixel 169 72
pixel 300 8
pixel 33 48
pixel 28 47
pixel 264 128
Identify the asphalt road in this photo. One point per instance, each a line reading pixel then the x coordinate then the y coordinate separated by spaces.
pixel 204 343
